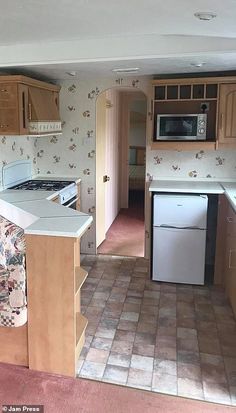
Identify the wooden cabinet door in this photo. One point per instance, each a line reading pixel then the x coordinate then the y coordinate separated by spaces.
pixel 9 121
pixel 221 233
pixel 9 116
pixel 8 95
pixel 230 270
pixel 227 114
pixel 43 104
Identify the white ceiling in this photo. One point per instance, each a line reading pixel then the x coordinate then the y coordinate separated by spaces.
pixel 51 37
pixel 28 21
pixel 150 67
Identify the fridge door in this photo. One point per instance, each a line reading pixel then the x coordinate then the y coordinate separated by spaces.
pixel 180 211
pixel 179 255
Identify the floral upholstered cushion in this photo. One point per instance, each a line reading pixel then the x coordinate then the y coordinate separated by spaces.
pixel 13 306
pixel 3 284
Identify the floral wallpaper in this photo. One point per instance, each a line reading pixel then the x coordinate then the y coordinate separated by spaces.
pixel 13 148
pixel 187 165
pixel 73 153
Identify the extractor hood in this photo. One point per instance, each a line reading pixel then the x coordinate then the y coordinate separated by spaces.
pixel 43 114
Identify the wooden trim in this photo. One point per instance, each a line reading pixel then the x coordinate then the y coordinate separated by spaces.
pixel 81 324
pixel 194 80
pixel 77 253
pixel 14 345
pixel 55 199
pixel 183 146
pixel 29 82
pixel 78 196
pixel 226 145
pixel 220 240
pixel 183 100
pixel 80 277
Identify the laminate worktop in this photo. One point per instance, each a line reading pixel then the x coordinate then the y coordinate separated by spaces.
pixel 228 188
pixel 37 214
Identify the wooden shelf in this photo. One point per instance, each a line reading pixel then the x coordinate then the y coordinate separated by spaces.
pixel 183 100
pixel 81 324
pixel 184 145
pixel 80 277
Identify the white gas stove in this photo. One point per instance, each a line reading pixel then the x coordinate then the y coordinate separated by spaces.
pixel 18 176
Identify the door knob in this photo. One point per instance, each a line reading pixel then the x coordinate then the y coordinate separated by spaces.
pixel 106 178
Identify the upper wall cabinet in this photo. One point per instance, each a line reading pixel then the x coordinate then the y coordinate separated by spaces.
pixel 214 96
pixel 227 115
pixel 28 107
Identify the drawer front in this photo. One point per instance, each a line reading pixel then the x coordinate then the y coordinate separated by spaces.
pixel 8 95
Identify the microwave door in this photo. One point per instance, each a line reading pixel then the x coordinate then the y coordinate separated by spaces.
pixel 177 127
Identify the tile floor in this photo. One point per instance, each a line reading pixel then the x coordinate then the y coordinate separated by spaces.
pixel 174 339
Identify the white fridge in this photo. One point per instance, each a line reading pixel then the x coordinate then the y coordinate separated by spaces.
pixel 179 238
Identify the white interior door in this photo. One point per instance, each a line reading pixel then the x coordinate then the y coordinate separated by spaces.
pixel 100 168
pixel 112 157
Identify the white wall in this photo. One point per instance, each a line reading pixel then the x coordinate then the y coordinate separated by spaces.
pixel 137 131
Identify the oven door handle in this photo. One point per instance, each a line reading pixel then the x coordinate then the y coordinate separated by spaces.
pixel 75 199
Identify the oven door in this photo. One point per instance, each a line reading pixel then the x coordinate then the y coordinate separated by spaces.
pixel 177 127
pixel 71 203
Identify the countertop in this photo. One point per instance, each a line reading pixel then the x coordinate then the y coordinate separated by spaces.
pixel 37 214
pixel 197 187
pixel 228 188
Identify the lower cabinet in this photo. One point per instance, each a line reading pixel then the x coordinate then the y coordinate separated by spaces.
pixel 230 270
pixel 56 325
pixel 225 263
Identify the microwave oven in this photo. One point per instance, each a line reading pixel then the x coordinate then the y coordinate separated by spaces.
pixel 181 127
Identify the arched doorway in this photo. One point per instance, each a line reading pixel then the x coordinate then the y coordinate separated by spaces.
pixel 120 171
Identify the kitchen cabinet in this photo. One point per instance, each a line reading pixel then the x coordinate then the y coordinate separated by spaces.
pixel 28 106
pixel 225 260
pixel 186 96
pixel 56 326
pixel 227 115
pixel 230 257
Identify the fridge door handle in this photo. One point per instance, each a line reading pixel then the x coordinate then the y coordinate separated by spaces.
pixel 174 227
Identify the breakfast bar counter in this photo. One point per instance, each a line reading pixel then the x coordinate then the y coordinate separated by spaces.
pixel 53 336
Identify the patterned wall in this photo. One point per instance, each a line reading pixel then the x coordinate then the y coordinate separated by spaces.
pixel 73 153
pixel 13 148
pixel 189 165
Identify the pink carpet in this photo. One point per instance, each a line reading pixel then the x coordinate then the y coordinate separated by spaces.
pixel 126 235
pixel 19 385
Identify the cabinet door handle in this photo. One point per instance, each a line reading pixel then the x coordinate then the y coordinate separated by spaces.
pixel 4 91
pixel 229 219
pixel 221 120
pixel 4 126
pixel 30 111
pixel 230 255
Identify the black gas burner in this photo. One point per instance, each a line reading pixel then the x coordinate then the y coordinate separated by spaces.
pixel 42 185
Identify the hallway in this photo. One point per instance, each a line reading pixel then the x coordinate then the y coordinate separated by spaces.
pixel 126 234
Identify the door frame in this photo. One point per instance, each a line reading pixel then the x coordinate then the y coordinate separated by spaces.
pixel 131 90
